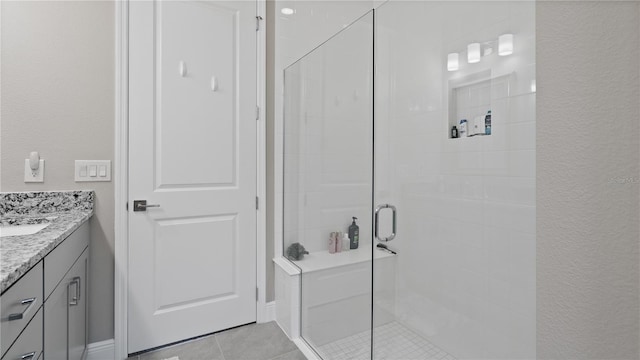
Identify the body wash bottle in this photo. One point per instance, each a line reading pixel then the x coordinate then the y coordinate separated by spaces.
pixel 354 234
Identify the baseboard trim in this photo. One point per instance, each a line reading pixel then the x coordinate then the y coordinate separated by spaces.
pixel 101 350
pixel 265 312
pixel 270 311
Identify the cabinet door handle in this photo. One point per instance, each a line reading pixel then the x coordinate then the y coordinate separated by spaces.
pixel 74 300
pixel 18 316
pixel 78 293
pixel 31 355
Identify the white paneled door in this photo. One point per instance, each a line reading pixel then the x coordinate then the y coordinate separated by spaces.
pixel 192 152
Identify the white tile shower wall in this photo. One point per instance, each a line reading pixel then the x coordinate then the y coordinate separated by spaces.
pixel 328 132
pixel 312 23
pixel 466 276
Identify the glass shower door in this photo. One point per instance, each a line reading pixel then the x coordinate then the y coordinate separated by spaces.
pixel 328 160
pixel 454 238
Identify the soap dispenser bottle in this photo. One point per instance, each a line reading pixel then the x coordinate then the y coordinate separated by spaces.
pixel 354 234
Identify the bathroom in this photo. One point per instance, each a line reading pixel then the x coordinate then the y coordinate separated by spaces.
pixel 521 242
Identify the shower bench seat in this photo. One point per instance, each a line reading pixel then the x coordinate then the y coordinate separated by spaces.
pixel 323 260
pixel 331 293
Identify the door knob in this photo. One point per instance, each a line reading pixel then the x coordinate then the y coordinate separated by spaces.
pixel 141 205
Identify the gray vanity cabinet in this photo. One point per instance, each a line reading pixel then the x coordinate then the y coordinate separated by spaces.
pixel 22 317
pixel 66 315
pixel 65 308
pixel 44 314
pixel 78 307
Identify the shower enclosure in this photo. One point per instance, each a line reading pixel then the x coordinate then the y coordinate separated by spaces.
pixel 445 264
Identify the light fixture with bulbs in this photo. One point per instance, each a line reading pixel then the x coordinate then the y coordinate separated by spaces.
pixel 287 11
pixel 475 51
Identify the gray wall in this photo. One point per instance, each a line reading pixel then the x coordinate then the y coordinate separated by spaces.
pixel 588 179
pixel 57 73
pixel 270 118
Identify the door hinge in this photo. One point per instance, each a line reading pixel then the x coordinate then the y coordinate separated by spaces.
pixel 257 203
pixel 257 294
pixel 126 205
pixel 257 112
pixel 258 18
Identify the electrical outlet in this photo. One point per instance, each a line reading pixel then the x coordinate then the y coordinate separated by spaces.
pixel 33 176
pixel 93 170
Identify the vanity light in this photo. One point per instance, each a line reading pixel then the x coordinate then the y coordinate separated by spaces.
pixel 473 53
pixel 287 11
pixel 452 62
pixel 505 44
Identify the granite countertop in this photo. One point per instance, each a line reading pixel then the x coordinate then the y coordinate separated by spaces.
pixel 64 211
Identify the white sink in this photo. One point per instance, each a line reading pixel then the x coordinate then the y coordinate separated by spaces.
pixel 26 229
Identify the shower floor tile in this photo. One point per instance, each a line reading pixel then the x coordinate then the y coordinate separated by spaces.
pixel 392 342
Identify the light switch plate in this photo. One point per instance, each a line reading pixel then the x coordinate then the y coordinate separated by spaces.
pixel 88 170
pixel 28 174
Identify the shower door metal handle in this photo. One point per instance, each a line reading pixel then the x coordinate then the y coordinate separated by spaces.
pixel 393 222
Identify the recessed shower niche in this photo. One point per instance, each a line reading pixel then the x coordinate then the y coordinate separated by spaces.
pixel 470 103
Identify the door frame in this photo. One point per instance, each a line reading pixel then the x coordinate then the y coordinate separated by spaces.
pixel 121 156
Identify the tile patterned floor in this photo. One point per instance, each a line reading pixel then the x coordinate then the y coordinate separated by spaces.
pixel 392 342
pixel 249 342
pixel 268 342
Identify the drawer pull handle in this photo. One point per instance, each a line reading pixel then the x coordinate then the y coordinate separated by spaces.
pixel 74 300
pixel 30 355
pixel 18 316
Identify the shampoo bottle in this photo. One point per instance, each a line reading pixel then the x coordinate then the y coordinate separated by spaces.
pixel 463 128
pixel 354 234
pixel 487 123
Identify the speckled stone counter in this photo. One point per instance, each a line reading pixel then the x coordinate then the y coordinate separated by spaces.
pixel 65 211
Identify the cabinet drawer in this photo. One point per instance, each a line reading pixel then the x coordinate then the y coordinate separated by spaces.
pixel 59 261
pixel 29 342
pixel 17 310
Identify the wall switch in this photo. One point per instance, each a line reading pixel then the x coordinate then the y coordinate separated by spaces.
pixel 93 170
pixel 33 176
